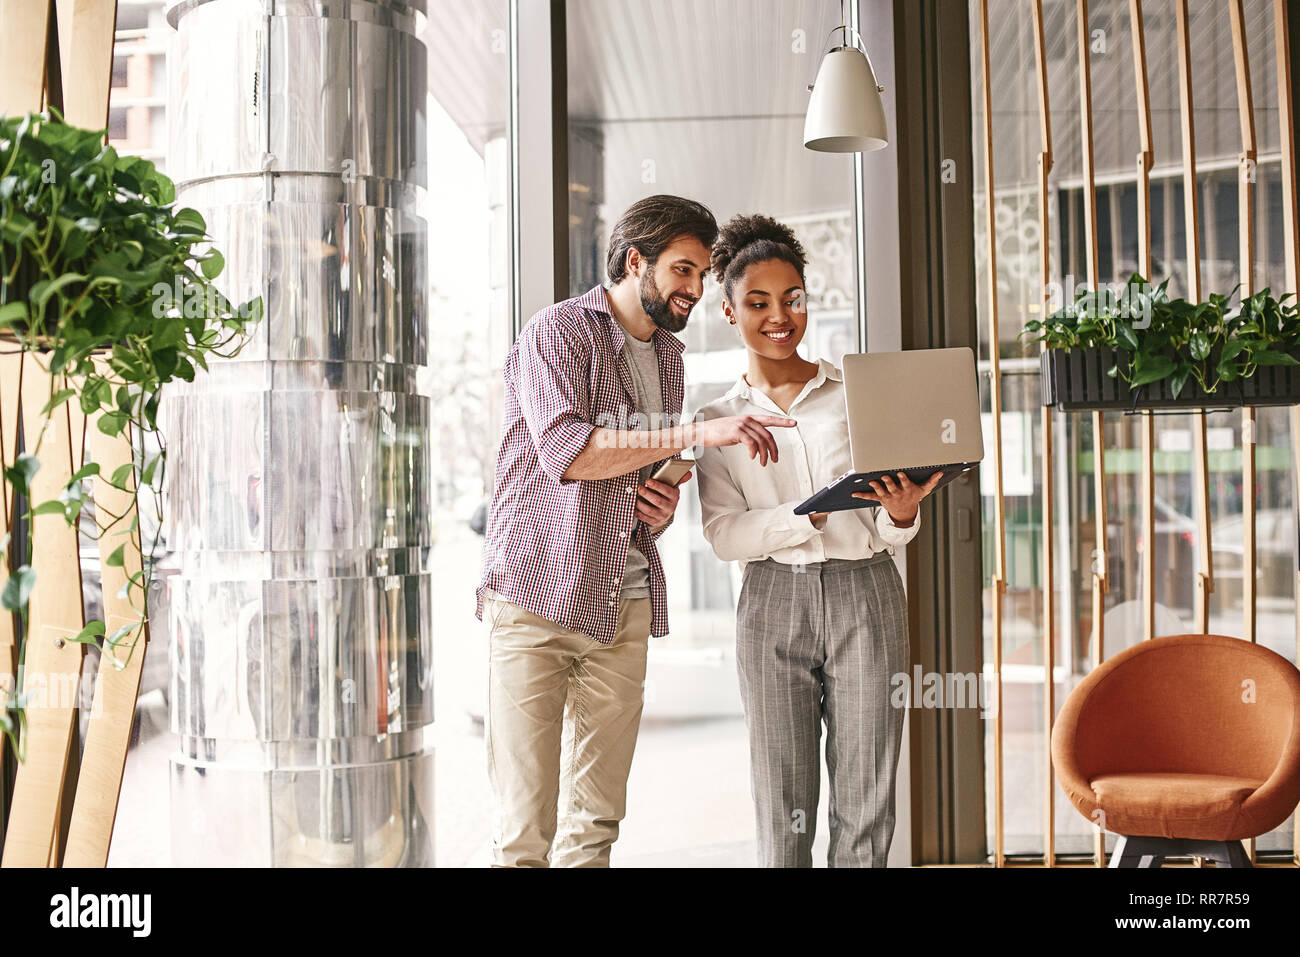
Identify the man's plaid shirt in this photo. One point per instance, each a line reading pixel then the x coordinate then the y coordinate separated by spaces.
pixel 555 546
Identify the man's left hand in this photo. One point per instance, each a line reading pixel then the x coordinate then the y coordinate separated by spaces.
pixel 657 501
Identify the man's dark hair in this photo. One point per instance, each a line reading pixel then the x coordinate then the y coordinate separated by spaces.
pixel 652 225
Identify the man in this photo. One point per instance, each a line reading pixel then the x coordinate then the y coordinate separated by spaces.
pixel 572 583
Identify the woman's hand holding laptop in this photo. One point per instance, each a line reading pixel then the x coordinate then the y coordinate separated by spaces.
pixel 901 498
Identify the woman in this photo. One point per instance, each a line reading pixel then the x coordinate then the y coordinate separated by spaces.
pixel 822 622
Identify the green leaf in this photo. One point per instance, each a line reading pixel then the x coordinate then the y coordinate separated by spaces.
pixel 1153 369
pixel 1199 345
pixel 47 508
pixel 1271 357
pixel 189 220
pixel 43 290
pixel 18 588
pixel 88 634
pixel 12 312
pixel 1231 349
pixel 120 475
pixel 20 473
pixel 1179 379
pixel 146 477
pixel 112 423
pixel 56 400
pixel 1126 336
pixel 117 559
pixel 212 264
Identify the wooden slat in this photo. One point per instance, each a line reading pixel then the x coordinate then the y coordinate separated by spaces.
pixel 999 582
pixel 55 615
pixel 109 734
pixel 1290 236
pixel 86 54
pixel 22 55
pixel 1100 566
pixel 1145 160
pixel 1047 464
pixel 1191 222
pixel 1246 229
pixel 10 375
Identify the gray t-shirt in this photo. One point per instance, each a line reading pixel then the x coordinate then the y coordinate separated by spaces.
pixel 643 363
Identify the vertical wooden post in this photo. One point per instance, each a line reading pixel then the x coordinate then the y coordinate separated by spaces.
pixel 52 666
pixel 22 88
pixel 1145 160
pixel 1246 229
pixel 118 682
pixel 1290 238
pixel 1101 561
pixel 10 375
pixel 995 399
pixel 1200 455
pixel 1047 464
pixel 22 55
pixel 1246 226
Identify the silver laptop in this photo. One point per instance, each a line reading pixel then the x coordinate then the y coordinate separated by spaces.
pixel 915 412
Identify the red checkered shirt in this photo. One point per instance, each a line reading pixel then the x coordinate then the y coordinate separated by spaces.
pixel 555 546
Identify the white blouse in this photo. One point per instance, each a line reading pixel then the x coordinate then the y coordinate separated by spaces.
pixel 748 509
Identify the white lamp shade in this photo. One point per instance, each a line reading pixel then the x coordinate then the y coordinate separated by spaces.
pixel 845 114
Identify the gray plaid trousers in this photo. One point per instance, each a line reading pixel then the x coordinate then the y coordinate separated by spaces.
pixel 821 642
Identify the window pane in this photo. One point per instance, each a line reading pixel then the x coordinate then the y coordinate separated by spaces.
pixel 1116 141
pixel 704 99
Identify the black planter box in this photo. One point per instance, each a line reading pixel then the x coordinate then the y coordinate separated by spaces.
pixel 1075 380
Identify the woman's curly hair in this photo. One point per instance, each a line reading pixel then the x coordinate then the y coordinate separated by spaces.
pixel 745 240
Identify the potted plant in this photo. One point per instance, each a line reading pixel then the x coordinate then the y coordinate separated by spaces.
pixel 1138 349
pixel 110 289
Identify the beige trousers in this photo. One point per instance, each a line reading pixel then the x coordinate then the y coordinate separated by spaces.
pixel 562 718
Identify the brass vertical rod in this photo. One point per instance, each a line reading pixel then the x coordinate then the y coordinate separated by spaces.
pixel 1100 563
pixel 1290 223
pixel 1145 160
pixel 1191 221
pixel 1047 464
pixel 1246 233
pixel 995 400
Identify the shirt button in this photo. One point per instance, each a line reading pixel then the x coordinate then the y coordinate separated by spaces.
pixel 613 594
pixel 622 534
pixel 631 488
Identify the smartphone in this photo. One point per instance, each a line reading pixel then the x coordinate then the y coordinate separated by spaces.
pixel 673 471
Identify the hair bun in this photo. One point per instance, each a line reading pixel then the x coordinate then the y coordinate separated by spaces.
pixel 769 238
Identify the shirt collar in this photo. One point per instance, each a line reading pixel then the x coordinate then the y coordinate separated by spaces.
pixel 596 299
pixel 825 370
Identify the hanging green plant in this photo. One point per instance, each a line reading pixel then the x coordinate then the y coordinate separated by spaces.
pixel 1139 349
pixel 110 289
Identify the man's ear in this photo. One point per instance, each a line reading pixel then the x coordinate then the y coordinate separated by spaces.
pixel 634 261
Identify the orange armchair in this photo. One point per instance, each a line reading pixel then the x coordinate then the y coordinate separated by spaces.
pixel 1186 745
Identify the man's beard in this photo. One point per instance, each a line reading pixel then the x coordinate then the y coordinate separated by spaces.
pixel 657 306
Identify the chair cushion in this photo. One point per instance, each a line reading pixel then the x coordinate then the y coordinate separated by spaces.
pixel 1173 804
